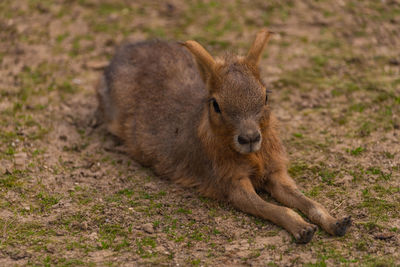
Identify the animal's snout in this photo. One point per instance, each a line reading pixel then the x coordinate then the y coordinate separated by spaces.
pixel 248 142
pixel 250 137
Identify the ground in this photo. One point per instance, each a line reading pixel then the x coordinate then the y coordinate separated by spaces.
pixel 70 196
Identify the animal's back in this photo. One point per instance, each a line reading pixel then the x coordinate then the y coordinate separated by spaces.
pixel 151 94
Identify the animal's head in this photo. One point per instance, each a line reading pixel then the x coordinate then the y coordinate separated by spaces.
pixel 237 102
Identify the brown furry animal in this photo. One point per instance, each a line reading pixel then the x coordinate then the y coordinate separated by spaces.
pixel 205 123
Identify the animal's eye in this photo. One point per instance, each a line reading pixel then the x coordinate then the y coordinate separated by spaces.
pixel 215 105
pixel 266 95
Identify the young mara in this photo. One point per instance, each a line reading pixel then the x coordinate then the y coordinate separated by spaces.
pixel 205 123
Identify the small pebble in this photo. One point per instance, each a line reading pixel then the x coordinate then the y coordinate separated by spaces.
pixel 148 228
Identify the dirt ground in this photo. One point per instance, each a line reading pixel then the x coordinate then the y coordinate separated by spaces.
pixel 69 196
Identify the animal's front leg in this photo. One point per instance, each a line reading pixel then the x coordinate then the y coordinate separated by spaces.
pixel 284 189
pixel 243 196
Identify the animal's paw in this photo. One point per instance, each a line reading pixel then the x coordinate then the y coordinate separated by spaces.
pixel 342 225
pixel 305 234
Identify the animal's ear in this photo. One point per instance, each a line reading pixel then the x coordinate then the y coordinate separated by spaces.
pixel 256 49
pixel 205 61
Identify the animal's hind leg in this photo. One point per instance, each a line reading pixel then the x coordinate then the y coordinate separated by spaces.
pixel 283 188
pixel 97 119
pixel 244 198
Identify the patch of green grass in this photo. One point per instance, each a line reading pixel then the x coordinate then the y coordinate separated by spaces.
pixel 105 9
pixel 24 233
pixel 327 175
pixel 315 191
pixel 125 243
pixel 259 222
pixel 126 192
pixel 365 129
pixel 147 195
pixel 71 221
pixel 11 180
pixel 52 260
pixel 145 246
pixel 319 60
pixel 10 151
pixel 184 211
pixel 80 245
pixel 46 200
pixel 286 82
pixel 40 133
pixel 197 235
pixel 326 253
pixel 67 87
pixel 33 81
pixel 388 155
pixel 356 151
pixel 358 107
pixel 377 171
pixel 7 136
pixel 82 195
pixel 298 135
pixel 298 169
pixel 301 79
pixel 61 37
pixel 329 44
pixel 383 191
pixel 344 87
pixel 107 235
pixel 195 262
pixel 378 208
pixel 371 260
pixel 105 27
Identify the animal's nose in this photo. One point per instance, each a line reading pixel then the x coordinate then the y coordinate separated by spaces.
pixel 252 137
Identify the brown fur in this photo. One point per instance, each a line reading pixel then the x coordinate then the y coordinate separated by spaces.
pixel 160 98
